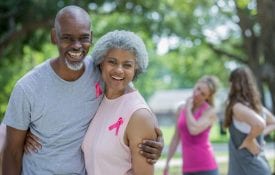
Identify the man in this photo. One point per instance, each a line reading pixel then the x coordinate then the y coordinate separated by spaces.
pixel 56 101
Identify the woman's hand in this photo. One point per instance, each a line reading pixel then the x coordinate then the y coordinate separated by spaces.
pixel 32 143
pixel 189 103
pixel 251 145
pixel 166 170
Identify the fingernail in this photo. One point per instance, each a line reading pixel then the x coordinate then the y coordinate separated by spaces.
pixel 139 145
pixel 141 152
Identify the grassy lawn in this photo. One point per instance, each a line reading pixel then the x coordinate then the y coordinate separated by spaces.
pixel 222 169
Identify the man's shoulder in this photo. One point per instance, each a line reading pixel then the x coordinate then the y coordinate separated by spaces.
pixel 34 74
pixel 89 61
pixel 91 67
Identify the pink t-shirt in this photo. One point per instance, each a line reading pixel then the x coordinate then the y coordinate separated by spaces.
pixel 197 152
pixel 104 149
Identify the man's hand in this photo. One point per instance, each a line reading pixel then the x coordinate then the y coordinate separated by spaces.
pixel 151 149
pixel 32 143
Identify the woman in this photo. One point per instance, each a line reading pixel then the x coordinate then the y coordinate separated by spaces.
pixel 123 117
pixel 248 121
pixel 194 121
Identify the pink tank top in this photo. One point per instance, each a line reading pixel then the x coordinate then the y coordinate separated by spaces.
pixel 197 152
pixel 104 149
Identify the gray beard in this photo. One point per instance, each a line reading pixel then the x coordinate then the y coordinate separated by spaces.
pixel 75 66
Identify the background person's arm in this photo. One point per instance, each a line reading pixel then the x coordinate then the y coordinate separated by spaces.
pixel 174 143
pixel 257 123
pixel 207 119
pixel 141 125
pixel 270 122
pixel 13 151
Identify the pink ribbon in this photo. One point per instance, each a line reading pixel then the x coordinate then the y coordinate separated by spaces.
pixel 98 89
pixel 116 125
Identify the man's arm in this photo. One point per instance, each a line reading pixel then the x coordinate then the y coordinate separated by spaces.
pixel 13 151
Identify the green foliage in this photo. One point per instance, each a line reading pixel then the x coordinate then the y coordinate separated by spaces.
pixel 14 69
pixel 185 62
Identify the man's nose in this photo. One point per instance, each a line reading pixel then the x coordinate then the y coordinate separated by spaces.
pixel 76 44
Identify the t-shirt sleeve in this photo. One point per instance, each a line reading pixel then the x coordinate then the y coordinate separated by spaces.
pixel 18 111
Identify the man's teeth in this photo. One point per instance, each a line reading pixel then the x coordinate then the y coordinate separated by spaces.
pixel 75 54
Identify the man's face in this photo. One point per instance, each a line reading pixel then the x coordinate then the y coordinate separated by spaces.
pixel 73 39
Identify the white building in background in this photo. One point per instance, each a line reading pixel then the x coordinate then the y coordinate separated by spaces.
pixel 164 103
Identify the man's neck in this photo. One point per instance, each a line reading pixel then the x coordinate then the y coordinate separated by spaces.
pixel 64 72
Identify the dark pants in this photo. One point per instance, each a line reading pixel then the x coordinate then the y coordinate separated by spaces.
pixel 211 172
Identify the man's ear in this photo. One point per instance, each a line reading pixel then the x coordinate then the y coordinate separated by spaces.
pixel 53 36
pixel 91 41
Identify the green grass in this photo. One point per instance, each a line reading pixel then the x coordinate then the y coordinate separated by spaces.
pixel 223 167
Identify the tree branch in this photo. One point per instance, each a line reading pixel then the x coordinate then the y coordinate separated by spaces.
pixel 13 35
pixel 225 53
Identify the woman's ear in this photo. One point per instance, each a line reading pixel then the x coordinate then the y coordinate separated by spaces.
pixel 100 67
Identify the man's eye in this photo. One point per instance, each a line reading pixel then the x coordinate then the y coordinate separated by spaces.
pixel 85 39
pixel 66 38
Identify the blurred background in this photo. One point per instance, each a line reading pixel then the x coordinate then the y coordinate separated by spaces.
pixel 185 40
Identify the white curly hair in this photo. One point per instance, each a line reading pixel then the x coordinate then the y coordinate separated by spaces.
pixel 125 40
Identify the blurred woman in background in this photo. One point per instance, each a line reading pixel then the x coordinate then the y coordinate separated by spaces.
pixel 194 121
pixel 248 121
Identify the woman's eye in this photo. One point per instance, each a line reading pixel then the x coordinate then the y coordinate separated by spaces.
pixel 111 62
pixel 127 65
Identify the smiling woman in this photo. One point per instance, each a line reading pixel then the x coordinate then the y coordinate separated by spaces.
pixel 123 117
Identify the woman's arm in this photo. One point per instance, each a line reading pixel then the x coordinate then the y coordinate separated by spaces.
pixel 257 123
pixel 174 143
pixel 195 127
pixel 270 122
pixel 141 126
pixel 151 149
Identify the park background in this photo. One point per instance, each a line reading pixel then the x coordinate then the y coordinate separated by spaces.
pixel 185 40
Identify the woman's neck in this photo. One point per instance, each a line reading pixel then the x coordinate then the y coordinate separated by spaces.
pixel 112 94
pixel 197 105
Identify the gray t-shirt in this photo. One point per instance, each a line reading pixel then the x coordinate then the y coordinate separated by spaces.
pixel 59 113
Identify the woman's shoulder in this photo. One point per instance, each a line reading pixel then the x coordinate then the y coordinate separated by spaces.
pixel 144 115
pixel 211 112
pixel 240 107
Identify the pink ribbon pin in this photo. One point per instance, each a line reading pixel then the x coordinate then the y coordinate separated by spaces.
pixel 116 125
pixel 98 89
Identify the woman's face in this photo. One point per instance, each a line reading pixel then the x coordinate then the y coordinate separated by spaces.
pixel 200 93
pixel 118 70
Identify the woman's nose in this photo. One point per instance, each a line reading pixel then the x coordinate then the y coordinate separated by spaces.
pixel 119 68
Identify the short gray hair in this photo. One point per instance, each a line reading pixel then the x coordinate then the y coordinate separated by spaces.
pixel 125 40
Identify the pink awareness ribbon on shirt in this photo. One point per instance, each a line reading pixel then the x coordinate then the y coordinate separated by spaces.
pixel 116 125
pixel 98 89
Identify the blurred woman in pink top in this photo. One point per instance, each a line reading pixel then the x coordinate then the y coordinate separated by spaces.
pixel 194 121
pixel 123 117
